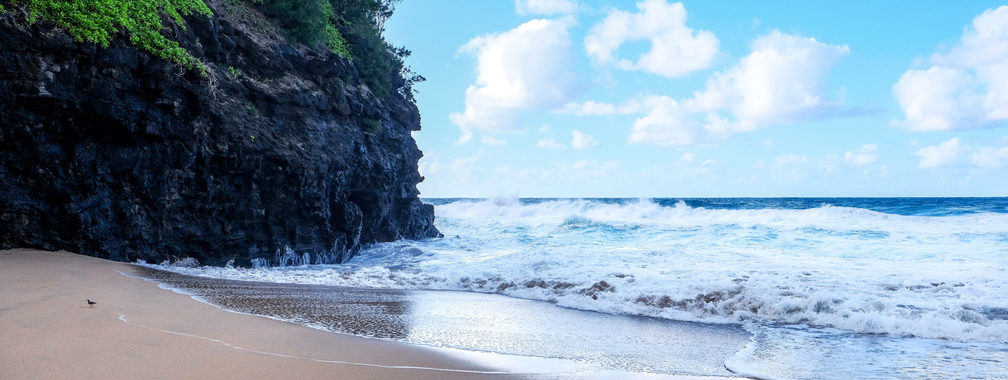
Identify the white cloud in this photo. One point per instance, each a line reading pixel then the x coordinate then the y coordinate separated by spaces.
pixel 936 99
pixel 866 155
pixel 990 158
pixel 667 123
pixel 675 48
pixel 944 154
pixel 954 152
pixel 782 80
pixel 524 68
pixel 550 143
pixel 492 141
pixel 582 140
pixel 545 7
pixel 964 88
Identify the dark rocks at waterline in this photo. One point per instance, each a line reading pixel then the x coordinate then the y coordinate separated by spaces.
pixel 278 152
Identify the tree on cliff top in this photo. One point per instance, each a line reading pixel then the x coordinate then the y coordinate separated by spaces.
pixel 353 29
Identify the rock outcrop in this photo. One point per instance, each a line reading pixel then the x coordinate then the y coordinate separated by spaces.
pixel 279 155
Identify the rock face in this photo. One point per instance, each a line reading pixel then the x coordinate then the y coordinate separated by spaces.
pixel 280 155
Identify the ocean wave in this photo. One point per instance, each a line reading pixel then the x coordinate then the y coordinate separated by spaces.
pixel 896 309
pixel 647 212
pixel 850 268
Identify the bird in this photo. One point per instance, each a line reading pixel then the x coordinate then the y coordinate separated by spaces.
pixel 91 303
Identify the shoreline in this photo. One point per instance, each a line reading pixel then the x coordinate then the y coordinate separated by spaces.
pixel 148 327
pixel 139 330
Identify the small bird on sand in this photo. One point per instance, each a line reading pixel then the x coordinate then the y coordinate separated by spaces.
pixel 91 303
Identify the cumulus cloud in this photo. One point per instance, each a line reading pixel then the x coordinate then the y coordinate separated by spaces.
pixel 954 152
pixel 582 140
pixel 964 88
pixel 525 68
pixel 667 123
pixel 934 99
pixel 675 48
pixel 783 80
pixel 866 155
pixel 990 158
pixel 545 7
pixel 944 154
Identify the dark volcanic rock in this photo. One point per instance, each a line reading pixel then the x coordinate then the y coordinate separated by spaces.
pixel 277 153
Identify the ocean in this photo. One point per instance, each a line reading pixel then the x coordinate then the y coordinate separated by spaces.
pixel 791 288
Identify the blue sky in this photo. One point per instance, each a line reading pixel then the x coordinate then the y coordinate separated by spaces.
pixel 564 98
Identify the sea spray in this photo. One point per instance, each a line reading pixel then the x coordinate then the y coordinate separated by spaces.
pixel 885 267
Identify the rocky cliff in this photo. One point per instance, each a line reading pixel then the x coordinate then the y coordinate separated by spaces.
pixel 278 154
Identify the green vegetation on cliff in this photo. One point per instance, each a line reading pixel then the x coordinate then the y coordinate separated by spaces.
pixel 98 20
pixel 350 28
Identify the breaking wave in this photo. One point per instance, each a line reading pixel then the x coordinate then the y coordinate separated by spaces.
pixel 903 268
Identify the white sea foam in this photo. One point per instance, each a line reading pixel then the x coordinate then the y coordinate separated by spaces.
pixel 848 268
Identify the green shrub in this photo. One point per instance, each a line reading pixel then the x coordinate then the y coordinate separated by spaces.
pixel 306 21
pixel 352 29
pixel 97 21
pixel 381 65
pixel 335 41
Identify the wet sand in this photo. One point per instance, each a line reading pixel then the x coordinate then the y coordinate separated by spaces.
pixel 137 330
pixel 529 331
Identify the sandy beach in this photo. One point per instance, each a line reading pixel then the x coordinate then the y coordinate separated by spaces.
pixel 137 330
pixel 140 330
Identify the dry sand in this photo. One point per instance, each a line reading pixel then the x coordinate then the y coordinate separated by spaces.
pixel 138 330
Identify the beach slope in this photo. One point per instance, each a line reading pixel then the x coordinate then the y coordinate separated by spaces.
pixel 137 330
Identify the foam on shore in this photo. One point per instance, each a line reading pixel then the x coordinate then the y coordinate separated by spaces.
pixel 514 334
